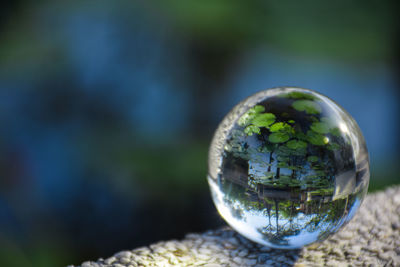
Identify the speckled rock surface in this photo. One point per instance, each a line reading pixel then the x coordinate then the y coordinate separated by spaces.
pixel 372 238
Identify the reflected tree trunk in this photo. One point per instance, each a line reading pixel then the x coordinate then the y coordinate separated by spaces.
pixel 277 215
pixel 270 161
pixel 268 207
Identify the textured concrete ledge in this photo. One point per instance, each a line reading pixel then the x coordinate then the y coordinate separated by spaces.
pixel 372 238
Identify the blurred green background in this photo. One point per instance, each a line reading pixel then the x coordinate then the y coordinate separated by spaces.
pixel 107 108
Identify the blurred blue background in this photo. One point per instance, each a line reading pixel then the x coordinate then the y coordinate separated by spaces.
pixel 107 108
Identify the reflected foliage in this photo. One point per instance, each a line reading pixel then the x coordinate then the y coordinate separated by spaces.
pixel 289 161
pixel 299 143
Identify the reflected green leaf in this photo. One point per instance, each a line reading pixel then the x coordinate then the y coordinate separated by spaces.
pixel 284 151
pixel 296 144
pixel 320 127
pixel 282 127
pixel 299 95
pixel 299 152
pixel 263 120
pixel 336 132
pixel 278 137
pixel 328 121
pixel 316 138
pixel 334 146
pixel 249 130
pixel 295 168
pixel 268 175
pixel 258 108
pixel 301 136
pixel 310 107
pixel 247 117
pixel 283 165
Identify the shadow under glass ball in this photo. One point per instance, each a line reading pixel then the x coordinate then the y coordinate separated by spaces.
pixel 288 167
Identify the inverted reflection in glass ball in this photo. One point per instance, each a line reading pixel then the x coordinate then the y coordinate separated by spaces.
pixel 288 167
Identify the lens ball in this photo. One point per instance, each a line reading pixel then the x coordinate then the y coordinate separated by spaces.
pixel 288 167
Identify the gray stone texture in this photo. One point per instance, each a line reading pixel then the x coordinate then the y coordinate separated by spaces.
pixel 372 238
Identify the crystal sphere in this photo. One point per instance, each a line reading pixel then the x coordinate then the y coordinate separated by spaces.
pixel 288 167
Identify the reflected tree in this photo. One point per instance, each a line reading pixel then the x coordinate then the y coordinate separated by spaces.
pixel 283 152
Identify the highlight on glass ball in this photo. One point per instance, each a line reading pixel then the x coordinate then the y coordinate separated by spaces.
pixel 288 167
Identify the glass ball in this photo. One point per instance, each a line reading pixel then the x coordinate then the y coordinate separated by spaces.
pixel 288 167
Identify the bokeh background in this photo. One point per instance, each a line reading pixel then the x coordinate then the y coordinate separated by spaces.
pixel 107 108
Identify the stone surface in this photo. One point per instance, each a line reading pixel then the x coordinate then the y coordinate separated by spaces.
pixel 372 238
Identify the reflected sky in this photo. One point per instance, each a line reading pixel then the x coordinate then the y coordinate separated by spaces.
pixel 275 229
